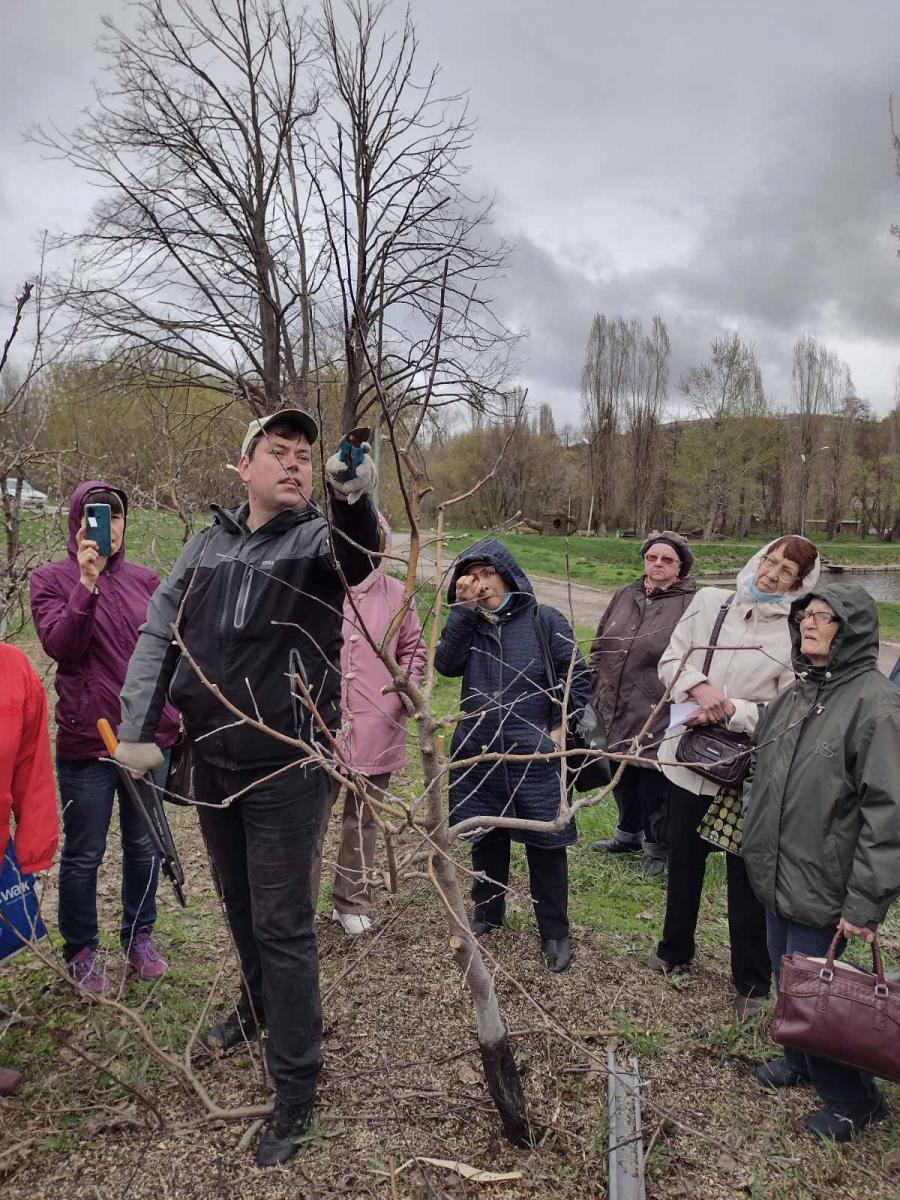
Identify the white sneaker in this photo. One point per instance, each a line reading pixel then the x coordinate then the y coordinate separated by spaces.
pixel 353 924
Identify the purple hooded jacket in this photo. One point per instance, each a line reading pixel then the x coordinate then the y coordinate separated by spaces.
pixel 92 637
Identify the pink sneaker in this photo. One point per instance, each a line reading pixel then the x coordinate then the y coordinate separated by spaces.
pixel 87 972
pixel 144 958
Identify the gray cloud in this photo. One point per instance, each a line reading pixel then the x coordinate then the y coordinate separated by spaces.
pixel 798 241
pixel 723 165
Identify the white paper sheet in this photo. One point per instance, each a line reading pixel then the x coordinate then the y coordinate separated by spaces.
pixel 679 713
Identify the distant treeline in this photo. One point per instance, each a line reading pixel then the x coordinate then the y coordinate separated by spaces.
pixel 735 464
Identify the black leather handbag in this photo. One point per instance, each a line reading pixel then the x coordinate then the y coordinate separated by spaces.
pixel 585 731
pixel 715 752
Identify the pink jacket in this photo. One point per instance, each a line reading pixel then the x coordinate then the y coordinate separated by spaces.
pixel 373 733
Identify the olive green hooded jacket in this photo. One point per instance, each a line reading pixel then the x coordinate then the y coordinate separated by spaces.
pixel 822 813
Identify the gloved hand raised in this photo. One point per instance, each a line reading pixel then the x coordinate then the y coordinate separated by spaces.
pixel 354 478
pixel 139 757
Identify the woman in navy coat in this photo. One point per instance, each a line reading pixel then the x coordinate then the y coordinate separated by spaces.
pixel 493 639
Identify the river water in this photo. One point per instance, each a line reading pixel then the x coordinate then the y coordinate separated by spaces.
pixel 881 585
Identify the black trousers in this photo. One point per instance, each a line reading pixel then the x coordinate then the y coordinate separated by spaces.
pixel 642 796
pixel 262 849
pixel 750 966
pixel 548 874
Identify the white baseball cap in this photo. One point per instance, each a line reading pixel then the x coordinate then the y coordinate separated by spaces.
pixel 297 416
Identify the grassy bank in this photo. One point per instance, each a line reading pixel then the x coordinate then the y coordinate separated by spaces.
pixel 155 538
pixel 611 562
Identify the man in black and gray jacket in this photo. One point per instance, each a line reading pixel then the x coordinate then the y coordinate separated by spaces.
pixel 258 600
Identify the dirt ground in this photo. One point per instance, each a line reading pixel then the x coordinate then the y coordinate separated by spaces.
pixel 402 1078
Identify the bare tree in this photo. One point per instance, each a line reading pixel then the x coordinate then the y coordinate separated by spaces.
pixel 23 458
pixel 504 494
pixel 721 392
pixel 198 248
pixel 875 477
pixel 811 376
pixel 407 241
pixel 603 387
pixel 645 398
pixel 183 426
pixel 844 412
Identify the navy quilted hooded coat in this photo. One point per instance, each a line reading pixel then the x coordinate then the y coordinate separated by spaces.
pixel 505 699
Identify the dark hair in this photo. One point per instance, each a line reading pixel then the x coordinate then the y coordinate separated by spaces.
pixel 100 496
pixel 800 551
pixel 288 430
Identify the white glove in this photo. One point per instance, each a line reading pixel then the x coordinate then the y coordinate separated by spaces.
pixel 139 757
pixel 351 489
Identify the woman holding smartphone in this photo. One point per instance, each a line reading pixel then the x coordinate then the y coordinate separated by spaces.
pixel 87 609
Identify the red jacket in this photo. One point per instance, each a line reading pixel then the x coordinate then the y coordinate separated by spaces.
pixel 26 775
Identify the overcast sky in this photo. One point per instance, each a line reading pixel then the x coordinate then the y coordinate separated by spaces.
pixel 726 165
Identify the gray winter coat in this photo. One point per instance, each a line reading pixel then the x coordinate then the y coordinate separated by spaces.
pixel 506 700
pixel 822 823
pixel 631 637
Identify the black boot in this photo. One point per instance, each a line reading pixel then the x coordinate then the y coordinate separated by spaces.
pixel 238 1027
pixel 614 846
pixel 482 928
pixel 656 856
pixel 780 1074
pixel 281 1137
pixel 836 1125
pixel 557 953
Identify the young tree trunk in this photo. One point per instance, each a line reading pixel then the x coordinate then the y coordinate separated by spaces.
pixel 500 1070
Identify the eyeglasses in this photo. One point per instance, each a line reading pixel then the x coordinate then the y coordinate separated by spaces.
pixel 816 616
pixel 786 574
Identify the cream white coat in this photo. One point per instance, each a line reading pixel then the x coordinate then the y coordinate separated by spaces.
pixel 752 667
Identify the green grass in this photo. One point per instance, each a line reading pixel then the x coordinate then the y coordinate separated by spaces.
pixel 46 1004
pixel 155 539
pixel 889 620
pixel 605 561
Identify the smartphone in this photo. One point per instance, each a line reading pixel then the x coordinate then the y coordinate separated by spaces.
pixel 98 527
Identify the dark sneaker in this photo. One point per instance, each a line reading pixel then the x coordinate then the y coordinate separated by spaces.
pixel 833 1125
pixel 614 846
pixel 9 1080
pixel 481 929
pixel 655 963
pixel 557 954
pixel 237 1028
pixel 748 1008
pixel 779 1074
pixel 144 959
pixel 87 973
pixel 281 1137
pixel 652 867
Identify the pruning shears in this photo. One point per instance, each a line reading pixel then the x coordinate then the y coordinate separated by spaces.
pixel 146 800
pixel 352 450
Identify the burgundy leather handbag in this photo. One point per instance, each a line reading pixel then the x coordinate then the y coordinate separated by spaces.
pixel 836 1011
